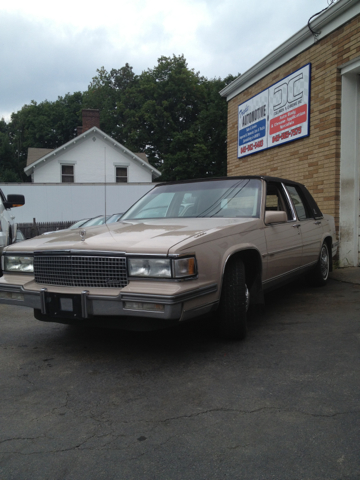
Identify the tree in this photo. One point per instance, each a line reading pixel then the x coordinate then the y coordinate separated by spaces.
pixel 43 125
pixel 170 112
pixel 179 120
pixel 9 170
pixel 107 92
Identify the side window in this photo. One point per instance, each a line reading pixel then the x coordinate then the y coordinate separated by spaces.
pixel 276 201
pixel 67 173
pixel 301 207
pixel 121 175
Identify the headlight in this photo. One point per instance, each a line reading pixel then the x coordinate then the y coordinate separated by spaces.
pixel 18 263
pixel 162 267
pixel 150 267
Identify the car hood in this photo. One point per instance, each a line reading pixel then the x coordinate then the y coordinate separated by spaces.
pixel 149 236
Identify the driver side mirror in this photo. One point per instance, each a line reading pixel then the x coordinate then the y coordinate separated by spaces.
pixel 275 217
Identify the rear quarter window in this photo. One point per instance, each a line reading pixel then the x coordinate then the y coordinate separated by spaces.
pixel 302 208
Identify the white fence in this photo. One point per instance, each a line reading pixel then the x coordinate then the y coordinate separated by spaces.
pixel 62 202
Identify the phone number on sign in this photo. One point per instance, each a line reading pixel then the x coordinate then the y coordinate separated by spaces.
pixel 252 146
pixel 287 134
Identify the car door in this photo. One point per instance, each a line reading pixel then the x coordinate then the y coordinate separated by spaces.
pixel 310 227
pixel 283 240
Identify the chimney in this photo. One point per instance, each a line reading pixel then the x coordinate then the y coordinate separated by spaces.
pixel 90 118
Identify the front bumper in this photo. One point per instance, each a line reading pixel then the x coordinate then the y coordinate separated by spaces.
pixel 69 307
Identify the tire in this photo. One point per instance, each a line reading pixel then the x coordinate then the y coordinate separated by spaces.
pixel 320 274
pixel 234 302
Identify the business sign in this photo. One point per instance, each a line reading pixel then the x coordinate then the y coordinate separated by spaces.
pixel 253 124
pixel 277 115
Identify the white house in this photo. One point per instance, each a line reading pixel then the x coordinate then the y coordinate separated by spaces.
pixel 91 157
pixel 90 175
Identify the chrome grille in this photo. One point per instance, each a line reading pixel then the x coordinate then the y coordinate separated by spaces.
pixel 81 271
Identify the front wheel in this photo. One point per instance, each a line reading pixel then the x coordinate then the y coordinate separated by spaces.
pixel 320 274
pixel 234 302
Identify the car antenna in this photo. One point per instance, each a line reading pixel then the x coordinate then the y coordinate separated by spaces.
pixel 105 184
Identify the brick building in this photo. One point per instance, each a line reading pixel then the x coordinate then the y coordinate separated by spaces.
pixel 314 137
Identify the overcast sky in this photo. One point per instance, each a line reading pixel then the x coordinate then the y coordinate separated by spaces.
pixel 50 49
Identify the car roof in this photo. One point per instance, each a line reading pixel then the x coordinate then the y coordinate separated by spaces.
pixel 312 203
pixel 240 177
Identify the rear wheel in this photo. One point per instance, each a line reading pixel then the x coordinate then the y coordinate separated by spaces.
pixel 319 276
pixel 234 302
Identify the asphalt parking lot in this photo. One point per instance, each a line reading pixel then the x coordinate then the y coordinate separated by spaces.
pixel 180 404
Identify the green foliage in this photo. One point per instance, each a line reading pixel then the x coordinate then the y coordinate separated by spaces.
pixel 43 125
pixel 171 98
pixel 9 166
pixel 170 112
pixel 105 93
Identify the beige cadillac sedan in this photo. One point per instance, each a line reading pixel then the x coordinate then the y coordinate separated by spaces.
pixel 183 250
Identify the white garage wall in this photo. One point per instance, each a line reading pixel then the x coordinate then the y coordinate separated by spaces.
pixel 349 254
pixel 62 202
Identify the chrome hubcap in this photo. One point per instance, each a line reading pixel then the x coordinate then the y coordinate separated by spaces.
pixel 324 262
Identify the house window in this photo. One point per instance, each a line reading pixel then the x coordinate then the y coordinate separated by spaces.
pixel 121 175
pixel 67 173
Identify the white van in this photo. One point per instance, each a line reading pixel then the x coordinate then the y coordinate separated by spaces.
pixel 7 226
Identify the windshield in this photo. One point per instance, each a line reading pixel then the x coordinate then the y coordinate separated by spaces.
pixel 219 198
